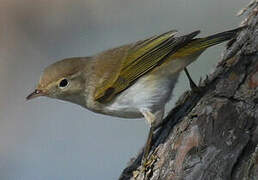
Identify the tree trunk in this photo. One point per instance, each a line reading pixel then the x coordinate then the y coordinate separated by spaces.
pixel 212 134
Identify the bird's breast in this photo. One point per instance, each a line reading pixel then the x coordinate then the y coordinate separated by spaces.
pixel 151 91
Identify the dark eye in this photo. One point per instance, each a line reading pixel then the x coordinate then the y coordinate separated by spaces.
pixel 63 83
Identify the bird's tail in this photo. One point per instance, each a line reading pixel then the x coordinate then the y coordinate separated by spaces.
pixel 217 38
pixel 198 45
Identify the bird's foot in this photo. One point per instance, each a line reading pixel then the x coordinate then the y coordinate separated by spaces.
pixel 143 171
pixel 146 163
pixel 193 86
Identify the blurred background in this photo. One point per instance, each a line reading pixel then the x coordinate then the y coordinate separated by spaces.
pixel 46 139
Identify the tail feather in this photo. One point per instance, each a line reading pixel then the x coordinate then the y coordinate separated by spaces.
pixel 218 38
pixel 198 45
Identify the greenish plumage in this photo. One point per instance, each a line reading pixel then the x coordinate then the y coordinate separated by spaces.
pixel 146 55
pixel 131 81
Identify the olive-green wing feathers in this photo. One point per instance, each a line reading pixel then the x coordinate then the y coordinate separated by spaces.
pixel 139 59
pixel 135 60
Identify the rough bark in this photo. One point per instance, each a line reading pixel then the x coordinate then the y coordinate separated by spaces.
pixel 212 134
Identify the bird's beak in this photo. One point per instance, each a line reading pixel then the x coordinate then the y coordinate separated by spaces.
pixel 35 94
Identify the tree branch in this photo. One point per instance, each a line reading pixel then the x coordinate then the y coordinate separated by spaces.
pixel 212 134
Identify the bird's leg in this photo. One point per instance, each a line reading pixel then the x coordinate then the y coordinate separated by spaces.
pixel 152 119
pixel 147 146
pixel 193 86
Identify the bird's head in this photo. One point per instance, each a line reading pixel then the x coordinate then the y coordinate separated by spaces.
pixel 63 80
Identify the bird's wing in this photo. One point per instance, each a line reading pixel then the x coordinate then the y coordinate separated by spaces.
pixel 141 58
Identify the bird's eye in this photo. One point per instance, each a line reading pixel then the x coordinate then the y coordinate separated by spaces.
pixel 63 83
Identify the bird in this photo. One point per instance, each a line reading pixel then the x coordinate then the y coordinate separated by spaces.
pixel 134 80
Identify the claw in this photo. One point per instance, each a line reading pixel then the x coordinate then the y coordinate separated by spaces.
pixel 193 86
